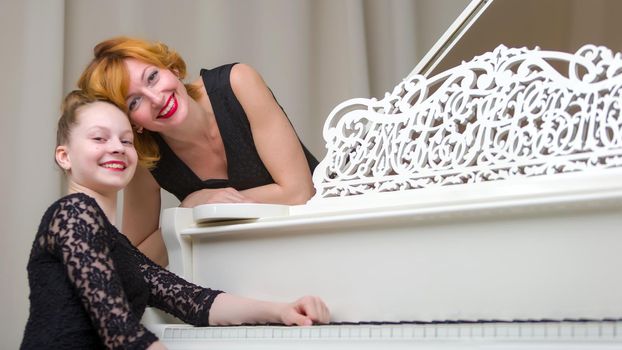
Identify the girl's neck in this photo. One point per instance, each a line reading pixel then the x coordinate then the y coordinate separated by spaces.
pixel 106 201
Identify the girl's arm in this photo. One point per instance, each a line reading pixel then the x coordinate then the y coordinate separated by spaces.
pixel 230 310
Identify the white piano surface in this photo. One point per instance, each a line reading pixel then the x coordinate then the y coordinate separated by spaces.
pixel 496 252
pixel 500 253
pixel 524 254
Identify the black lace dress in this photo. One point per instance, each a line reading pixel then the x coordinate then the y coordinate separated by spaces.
pixel 89 285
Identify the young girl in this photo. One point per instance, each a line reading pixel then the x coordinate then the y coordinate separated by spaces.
pixel 221 138
pixel 89 285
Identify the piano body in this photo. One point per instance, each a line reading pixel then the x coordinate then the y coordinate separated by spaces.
pixel 477 205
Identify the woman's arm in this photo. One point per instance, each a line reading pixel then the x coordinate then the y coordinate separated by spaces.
pixel 275 139
pixel 141 216
pixel 218 195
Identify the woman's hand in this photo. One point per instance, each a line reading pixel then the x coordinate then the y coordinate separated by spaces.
pixel 305 312
pixel 219 195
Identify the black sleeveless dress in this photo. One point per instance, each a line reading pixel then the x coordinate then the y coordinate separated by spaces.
pixel 244 166
pixel 89 285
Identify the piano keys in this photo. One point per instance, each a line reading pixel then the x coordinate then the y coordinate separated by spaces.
pixel 455 335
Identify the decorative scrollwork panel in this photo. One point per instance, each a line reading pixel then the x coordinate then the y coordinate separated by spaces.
pixel 507 113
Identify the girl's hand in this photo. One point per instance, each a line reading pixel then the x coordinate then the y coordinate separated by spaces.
pixel 305 312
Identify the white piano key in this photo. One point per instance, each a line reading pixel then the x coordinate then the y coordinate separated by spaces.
pixel 566 331
pixel 305 332
pixel 188 333
pixel 334 332
pixel 501 331
pixel 513 331
pixel 277 333
pixel 315 332
pixel 538 331
pixel 177 333
pixel 251 332
pixel 489 330
pixel 477 331
pixel 217 333
pixel 607 330
pixel 581 330
pixel 429 331
pixel 354 332
pixel 325 332
pixel 397 332
pixel 375 332
pixel 593 329
pixel 441 332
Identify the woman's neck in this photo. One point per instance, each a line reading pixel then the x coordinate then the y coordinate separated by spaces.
pixel 106 201
pixel 198 126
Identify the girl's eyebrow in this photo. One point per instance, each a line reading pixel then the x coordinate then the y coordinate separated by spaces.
pixel 96 128
pixel 105 129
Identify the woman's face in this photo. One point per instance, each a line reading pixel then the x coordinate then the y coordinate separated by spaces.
pixel 157 100
pixel 100 154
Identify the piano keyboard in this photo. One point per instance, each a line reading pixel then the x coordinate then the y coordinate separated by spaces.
pixel 471 335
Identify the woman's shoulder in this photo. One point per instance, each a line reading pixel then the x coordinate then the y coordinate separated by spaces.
pixel 247 83
pixel 215 78
pixel 243 74
pixel 221 69
pixel 235 73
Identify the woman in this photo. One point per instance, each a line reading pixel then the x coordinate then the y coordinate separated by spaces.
pixel 89 285
pixel 222 138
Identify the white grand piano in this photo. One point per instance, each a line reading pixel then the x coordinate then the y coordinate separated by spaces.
pixel 477 205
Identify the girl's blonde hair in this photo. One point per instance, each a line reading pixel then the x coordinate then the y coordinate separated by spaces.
pixel 69 115
pixel 106 77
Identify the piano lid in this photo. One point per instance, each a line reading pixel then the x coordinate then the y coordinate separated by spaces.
pixel 560 25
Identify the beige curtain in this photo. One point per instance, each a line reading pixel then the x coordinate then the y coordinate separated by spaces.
pixel 314 54
pixel 31 35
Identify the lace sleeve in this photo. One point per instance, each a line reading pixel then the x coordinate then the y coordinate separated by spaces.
pixel 78 233
pixel 173 294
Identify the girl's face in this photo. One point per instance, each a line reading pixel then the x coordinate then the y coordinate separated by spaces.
pixel 100 154
pixel 157 100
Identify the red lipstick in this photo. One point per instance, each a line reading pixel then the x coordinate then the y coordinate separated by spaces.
pixel 169 108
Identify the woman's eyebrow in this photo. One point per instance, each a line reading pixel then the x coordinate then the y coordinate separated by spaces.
pixel 142 76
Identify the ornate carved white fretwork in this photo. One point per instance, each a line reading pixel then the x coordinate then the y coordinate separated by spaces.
pixel 507 113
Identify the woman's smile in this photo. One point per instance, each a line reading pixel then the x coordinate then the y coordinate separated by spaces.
pixel 169 108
